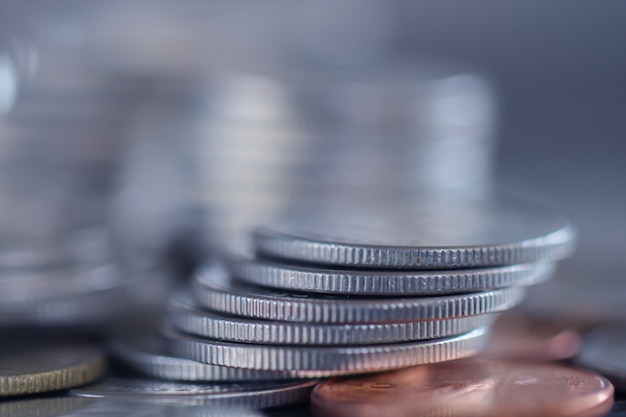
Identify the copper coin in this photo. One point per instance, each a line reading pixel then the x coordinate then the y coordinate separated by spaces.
pixel 520 337
pixel 468 388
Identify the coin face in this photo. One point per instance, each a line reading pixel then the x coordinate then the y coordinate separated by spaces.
pixel 187 318
pixel 469 388
pixel 48 368
pixel 438 235
pixel 603 350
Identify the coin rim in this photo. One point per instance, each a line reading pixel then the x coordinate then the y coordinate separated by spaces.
pixel 367 310
pixel 163 366
pixel 278 393
pixel 315 361
pixel 275 244
pixel 89 369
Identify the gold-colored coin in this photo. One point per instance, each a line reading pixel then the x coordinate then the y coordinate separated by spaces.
pixel 29 371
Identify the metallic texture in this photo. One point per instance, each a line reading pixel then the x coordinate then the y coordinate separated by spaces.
pixel 250 394
pixel 49 369
pixel 185 317
pixel 213 289
pixel 146 355
pixel 309 361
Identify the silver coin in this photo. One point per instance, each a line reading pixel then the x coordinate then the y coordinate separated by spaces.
pixel 185 317
pixel 89 308
pixel 309 279
pixel 43 407
pixel 213 289
pixel 250 394
pixel 603 350
pixel 49 368
pixel 430 235
pixel 107 407
pixel 145 354
pixel 320 361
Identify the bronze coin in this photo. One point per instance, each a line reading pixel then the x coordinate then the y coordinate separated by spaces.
pixel 468 388
pixel 520 337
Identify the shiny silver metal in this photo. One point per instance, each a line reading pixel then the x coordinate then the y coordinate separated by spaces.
pixel 146 354
pixel 603 351
pixel 214 289
pixel 318 361
pixel 250 394
pixel 431 234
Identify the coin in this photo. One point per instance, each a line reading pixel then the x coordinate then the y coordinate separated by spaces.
pixel 250 394
pixel 427 236
pixel 213 289
pixel 94 306
pixel 145 353
pixel 107 407
pixel 603 351
pixel 184 316
pixel 318 361
pixel 517 336
pixel 471 387
pixel 301 278
pixel 48 368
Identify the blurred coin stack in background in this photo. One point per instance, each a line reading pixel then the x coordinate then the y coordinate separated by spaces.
pixel 60 144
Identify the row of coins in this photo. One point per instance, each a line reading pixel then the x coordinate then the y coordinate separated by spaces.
pixel 269 316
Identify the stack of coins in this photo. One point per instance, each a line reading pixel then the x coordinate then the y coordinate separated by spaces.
pixel 384 244
pixel 354 293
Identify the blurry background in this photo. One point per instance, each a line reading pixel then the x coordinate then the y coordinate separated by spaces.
pixel 558 70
